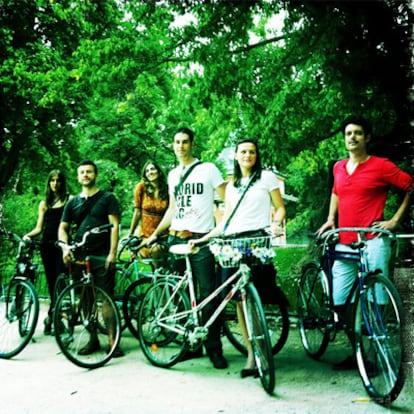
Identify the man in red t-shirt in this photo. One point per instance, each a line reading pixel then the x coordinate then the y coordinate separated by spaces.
pixel 359 194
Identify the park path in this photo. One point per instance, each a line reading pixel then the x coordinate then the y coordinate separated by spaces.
pixel 41 381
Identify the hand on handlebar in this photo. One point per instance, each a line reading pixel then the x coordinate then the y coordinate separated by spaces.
pixel 326 226
pixel 192 244
pixel 67 254
pixel 276 229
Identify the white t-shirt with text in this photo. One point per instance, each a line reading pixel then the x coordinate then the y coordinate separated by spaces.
pixel 195 200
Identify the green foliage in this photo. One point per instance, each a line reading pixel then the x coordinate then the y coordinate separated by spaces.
pixel 112 80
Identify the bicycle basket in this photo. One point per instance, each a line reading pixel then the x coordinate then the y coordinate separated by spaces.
pixel 251 250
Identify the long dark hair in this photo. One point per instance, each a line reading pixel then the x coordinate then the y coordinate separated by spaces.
pixel 61 191
pixel 257 168
pixel 162 182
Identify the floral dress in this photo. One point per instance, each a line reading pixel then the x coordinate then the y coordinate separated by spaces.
pixel 152 210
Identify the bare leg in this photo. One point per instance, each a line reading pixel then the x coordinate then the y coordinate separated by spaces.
pixel 250 363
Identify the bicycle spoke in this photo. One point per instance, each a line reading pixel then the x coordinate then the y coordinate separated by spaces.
pixel 19 313
pixel 258 334
pixel 312 311
pixel 160 330
pixel 379 339
pixel 87 325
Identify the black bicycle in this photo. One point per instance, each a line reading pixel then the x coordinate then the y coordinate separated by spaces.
pixel 19 303
pixel 86 315
pixel 376 311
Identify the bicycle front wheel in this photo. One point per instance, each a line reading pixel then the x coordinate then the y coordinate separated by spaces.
pixel 313 310
pixel 378 337
pixel 277 319
pixel 258 334
pixel 161 320
pixel 80 313
pixel 19 313
pixel 131 302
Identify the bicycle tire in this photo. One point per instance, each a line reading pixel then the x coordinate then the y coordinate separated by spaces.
pixel 61 282
pixel 131 301
pixel 78 315
pixel 19 314
pixel 123 279
pixel 277 319
pixel 314 317
pixel 378 339
pixel 161 345
pixel 258 334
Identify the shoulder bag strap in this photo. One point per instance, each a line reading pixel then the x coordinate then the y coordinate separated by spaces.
pixel 87 208
pixel 184 177
pixel 238 203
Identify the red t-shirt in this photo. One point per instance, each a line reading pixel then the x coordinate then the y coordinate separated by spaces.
pixel 362 195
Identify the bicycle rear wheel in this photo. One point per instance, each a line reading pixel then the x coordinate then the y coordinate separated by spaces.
pixel 131 302
pixel 19 313
pixel 277 319
pixel 80 312
pixel 160 326
pixel 313 310
pixel 378 337
pixel 258 334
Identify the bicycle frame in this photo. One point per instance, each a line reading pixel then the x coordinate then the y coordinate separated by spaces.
pixel 328 252
pixel 241 276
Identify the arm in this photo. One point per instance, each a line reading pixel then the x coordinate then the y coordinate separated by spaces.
pixel 138 194
pixel 165 222
pixel 135 220
pixel 40 220
pixel 333 211
pixel 393 222
pixel 221 190
pixel 280 212
pixel 63 235
pixel 114 220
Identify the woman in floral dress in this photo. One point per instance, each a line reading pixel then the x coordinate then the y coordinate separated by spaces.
pixel 150 202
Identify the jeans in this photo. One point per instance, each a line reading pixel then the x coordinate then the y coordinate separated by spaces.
pixel 378 254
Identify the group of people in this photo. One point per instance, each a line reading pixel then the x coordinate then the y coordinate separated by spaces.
pixel 181 208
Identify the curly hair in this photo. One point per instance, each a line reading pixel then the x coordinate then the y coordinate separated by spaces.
pixel 162 182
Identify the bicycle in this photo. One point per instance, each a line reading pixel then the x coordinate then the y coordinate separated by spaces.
pixel 19 302
pixel 277 318
pixel 375 308
pixel 132 269
pixel 83 309
pixel 169 315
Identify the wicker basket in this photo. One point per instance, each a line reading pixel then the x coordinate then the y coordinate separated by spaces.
pixel 251 250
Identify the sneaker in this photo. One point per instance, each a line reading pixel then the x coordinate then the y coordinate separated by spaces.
pixel 48 326
pixel 345 365
pixel 218 360
pixel 91 347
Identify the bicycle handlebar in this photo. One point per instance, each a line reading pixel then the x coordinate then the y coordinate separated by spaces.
pixel 94 230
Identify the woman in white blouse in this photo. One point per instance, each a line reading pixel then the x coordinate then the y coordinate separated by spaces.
pixel 253 214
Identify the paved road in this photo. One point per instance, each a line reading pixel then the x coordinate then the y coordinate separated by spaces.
pixel 40 380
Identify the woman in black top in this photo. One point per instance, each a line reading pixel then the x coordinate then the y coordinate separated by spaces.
pixel 49 215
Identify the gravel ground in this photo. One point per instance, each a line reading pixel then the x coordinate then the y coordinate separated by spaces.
pixel 41 380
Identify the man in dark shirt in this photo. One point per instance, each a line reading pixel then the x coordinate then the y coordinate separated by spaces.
pixel 91 208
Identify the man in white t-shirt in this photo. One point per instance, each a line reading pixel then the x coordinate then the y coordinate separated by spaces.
pixel 190 215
